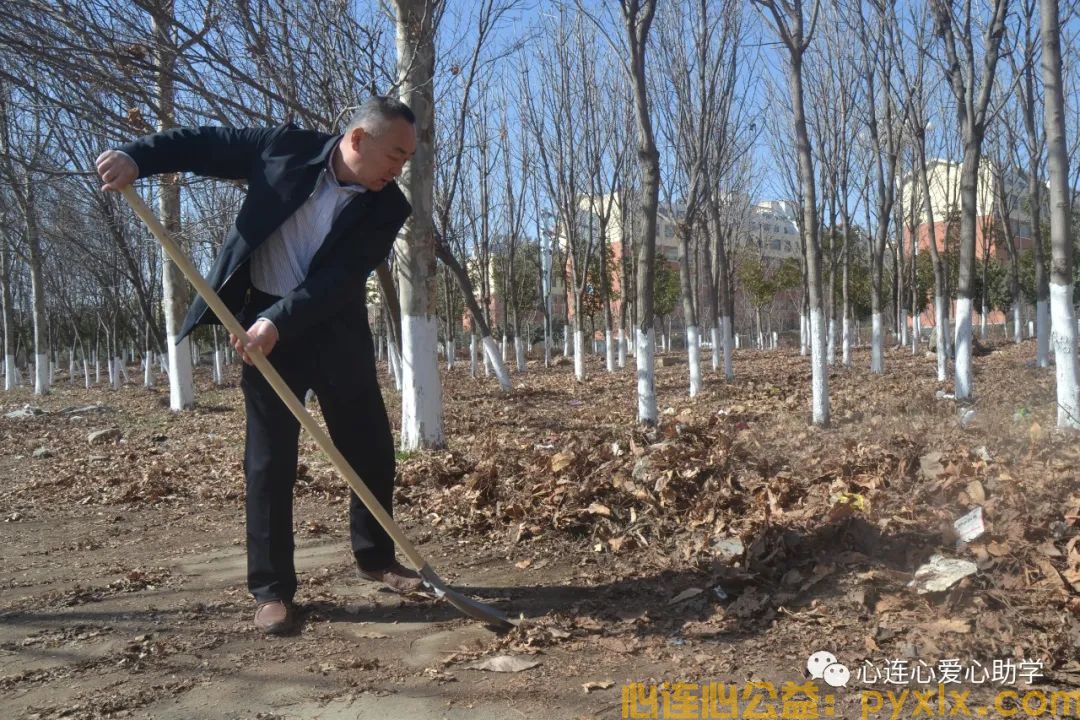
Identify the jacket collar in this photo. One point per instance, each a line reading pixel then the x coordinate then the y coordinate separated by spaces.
pixel 323 156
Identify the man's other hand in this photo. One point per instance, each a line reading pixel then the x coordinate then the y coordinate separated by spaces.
pixel 263 335
pixel 116 169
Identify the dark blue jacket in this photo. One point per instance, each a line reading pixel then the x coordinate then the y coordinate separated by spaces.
pixel 281 166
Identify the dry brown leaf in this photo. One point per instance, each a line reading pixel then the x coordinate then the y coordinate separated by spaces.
pixel 599 509
pixel 948 625
pixel 685 595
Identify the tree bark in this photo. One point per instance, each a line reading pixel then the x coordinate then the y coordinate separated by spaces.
pixel 174 287
pixel 421 392
pixel 1061 270
pixel 637 18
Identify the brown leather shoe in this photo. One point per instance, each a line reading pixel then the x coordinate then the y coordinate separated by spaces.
pixel 275 617
pixel 397 577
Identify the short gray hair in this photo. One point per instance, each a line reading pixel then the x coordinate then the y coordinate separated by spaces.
pixel 377 110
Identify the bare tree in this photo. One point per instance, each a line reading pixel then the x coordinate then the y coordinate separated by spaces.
pixel 879 35
pixel 1061 246
pixel 921 196
pixel 421 392
pixel 1025 67
pixel 551 108
pixel 796 30
pixel 24 139
pixel 637 20
pixel 972 90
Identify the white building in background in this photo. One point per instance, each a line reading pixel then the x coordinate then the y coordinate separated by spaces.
pixel 944 179
pixel 772 230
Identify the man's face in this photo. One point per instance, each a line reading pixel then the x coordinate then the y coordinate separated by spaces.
pixel 378 157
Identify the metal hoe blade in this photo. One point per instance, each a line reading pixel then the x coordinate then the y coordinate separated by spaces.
pixel 468 606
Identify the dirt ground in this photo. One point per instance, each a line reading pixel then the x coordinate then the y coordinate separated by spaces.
pixel 726 545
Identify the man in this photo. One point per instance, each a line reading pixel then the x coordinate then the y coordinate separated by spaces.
pixel 321 212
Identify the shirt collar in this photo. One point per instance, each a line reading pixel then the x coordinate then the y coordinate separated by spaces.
pixel 331 178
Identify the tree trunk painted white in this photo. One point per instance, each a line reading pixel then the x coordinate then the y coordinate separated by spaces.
pixel 491 351
pixel 1042 333
pixel 714 338
pixel 775 340
pixel 916 330
pixel 1064 323
pixel 502 349
pixel 71 367
pixel 830 347
pixel 804 334
pixel 86 373
pixel 123 368
pixel 846 342
pixel 9 372
pixel 487 359
pixel 1064 341
pixel 148 371
pixel 983 323
pixel 174 294
pixel 519 353
pixel 738 342
pixel 877 344
pixel 566 342
pixel 450 351
pixel 219 367
pixel 421 393
pixel 622 348
pixel 163 363
pixel 728 346
pixel 819 383
pixel 609 351
pixel 646 380
pixel 97 369
pixel 579 355
pixel 964 382
pixel 472 355
pixel 903 327
pixel 41 373
pixel 394 365
pixel 941 336
pixel 1018 324
pixel 693 352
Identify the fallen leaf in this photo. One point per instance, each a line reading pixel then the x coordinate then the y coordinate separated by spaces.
pixel 949 625
pixel 685 595
pixel 597 685
pixel 976 492
pixel 523 564
pixel 561 461
pixel 599 509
